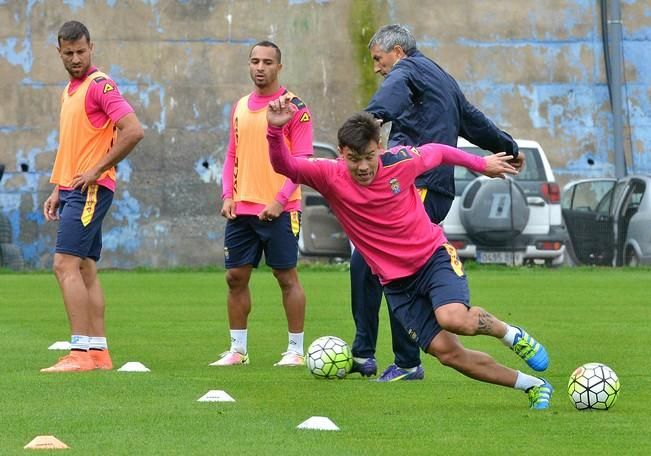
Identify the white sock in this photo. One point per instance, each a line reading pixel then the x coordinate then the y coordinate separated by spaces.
pixel 238 340
pixel 78 342
pixel 526 381
pixel 97 343
pixel 295 343
pixel 509 337
pixel 359 360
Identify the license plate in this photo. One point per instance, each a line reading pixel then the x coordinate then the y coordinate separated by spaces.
pixel 510 258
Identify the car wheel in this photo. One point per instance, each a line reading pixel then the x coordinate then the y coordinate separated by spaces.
pixel 493 211
pixel 10 257
pixel 555 262
pixel 632 259
pixel 5 230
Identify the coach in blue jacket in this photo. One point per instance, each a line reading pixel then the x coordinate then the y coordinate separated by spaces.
pixel 424 104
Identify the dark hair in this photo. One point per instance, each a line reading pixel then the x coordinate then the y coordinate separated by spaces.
pixel 268 44
pixel 358 131
pixel 73 31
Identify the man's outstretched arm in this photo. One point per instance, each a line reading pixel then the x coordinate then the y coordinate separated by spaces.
pixel 496 165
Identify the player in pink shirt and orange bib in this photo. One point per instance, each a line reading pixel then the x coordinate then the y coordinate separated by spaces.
pixel 98 128
pixel 262 207
pixel 373 195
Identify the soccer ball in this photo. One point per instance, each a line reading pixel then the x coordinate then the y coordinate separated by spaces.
pixel 593 386
pixel 329 357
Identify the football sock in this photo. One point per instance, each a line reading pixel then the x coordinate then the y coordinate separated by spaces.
pixel 238 340
pixel 359 360
pixel 295 343
pixel 408 369
pixel 79 343
pixel 97 343
pixel 509 337
pixel 526 381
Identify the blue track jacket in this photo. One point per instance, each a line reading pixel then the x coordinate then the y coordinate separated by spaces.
pixel 425 104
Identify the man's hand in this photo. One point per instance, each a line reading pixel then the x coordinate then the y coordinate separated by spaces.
pixel 228 209
pixel 271 211
pixel 497 165
pixel 280 111
pixel 51 206
pixel 85 180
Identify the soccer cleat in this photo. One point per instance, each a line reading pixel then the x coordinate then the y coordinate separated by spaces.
pixel 366 369
pixel 290 359
pixel 394 373
pixel 540 396
pixel 530 350
pixel 102 359
pixel 75 361
pixel 231 358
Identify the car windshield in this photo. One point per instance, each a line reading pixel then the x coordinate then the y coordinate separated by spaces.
pixel 533 169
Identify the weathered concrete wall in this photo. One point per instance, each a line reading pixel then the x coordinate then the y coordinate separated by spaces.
pixel 536 70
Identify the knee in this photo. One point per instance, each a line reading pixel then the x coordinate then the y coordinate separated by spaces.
pixel 62 267
pixel 236 280
pixel 456 322
pixel 450 358
pixel 287 278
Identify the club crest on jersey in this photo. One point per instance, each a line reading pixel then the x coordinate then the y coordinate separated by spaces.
pixel 395 185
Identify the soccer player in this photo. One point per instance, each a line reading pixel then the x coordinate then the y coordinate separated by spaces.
pixel 262 207
pixel 372 193
pixel 424 105
pixel 98 128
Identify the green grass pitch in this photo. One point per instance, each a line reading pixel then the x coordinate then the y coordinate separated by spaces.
pixel 175 323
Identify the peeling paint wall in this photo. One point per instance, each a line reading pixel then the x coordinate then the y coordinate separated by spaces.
pixel 535 68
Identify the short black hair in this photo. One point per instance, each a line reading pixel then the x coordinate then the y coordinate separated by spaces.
pixel 73 31
pixel 266 43
pixel 358 131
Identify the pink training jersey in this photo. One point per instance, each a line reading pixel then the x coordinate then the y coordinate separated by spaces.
pixel 103 99
pixel 385 220
pixel 299 132
pixel 103 102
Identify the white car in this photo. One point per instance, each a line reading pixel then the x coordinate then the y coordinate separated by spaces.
pixel 513 221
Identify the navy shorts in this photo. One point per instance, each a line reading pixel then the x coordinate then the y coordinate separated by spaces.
pixel 413 299
pixel 247 238
pixel 80 225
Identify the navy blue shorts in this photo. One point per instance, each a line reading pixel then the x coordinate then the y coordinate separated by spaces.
pixel 247 238
pixel 413 299
pixel 80 225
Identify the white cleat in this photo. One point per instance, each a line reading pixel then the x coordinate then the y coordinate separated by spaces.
pixel 229 358
pixel 291 359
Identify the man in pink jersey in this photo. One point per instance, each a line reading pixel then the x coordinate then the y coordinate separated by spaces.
pixel 262 207
pixel 423 279
pixel 98 128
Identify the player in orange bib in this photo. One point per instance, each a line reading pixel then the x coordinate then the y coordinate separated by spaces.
pixel 98 128
pixel 262 208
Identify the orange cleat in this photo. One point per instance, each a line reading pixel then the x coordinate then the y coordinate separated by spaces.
pixel 75 361
pixel 102 359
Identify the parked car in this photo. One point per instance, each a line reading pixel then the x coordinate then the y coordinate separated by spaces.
pixel 10 255
pixel 609 220
pixel 512 221
pixel 321 234
pixel 494 221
